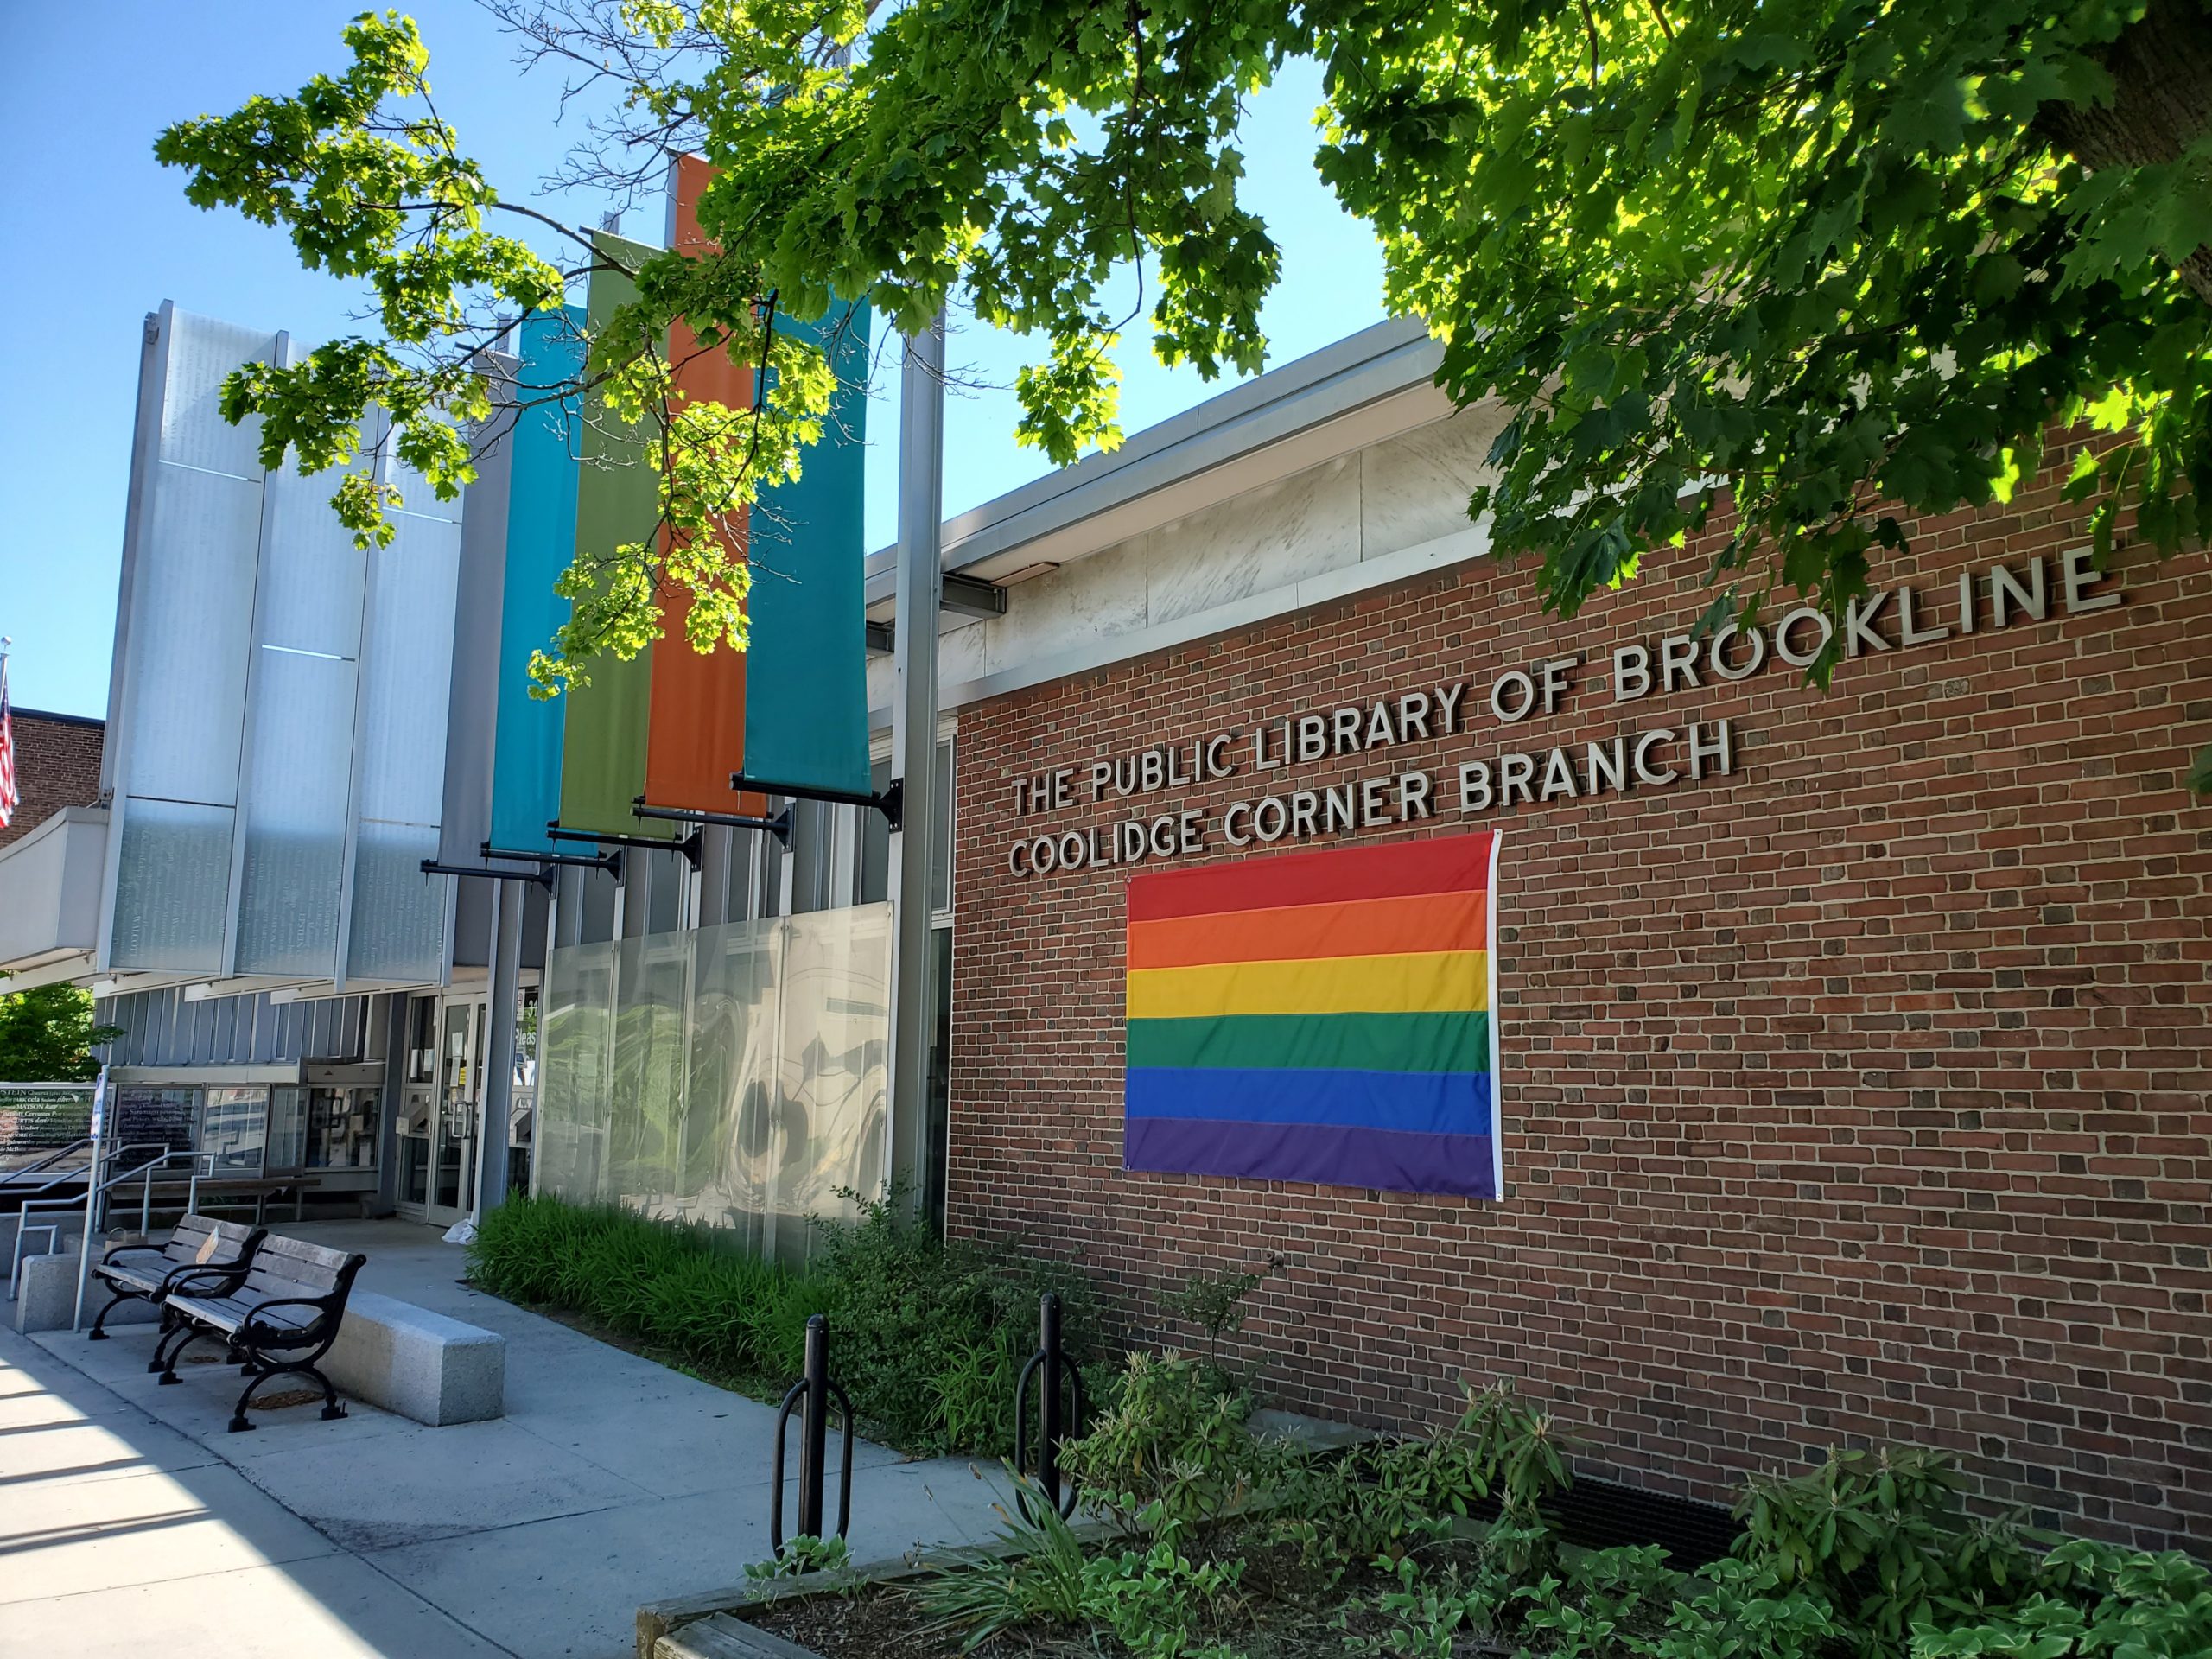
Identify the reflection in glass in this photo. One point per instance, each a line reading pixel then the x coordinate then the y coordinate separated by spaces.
pixel 733 1076
pixel 233 1124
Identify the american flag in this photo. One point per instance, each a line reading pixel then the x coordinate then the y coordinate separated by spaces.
pixel 10 797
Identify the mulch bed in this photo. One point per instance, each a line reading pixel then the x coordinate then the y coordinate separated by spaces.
pixel 1283 1610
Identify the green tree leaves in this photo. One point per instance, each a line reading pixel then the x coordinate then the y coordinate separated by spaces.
pixel 1826 257
pixel 46 1034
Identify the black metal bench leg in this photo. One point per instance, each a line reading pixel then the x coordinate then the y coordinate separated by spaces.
pixel 98 1332
pixel 170 1326
pixel 331 1408
pixel 191 1334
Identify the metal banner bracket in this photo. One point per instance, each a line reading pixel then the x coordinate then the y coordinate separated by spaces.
pixel 542 876
pixel 691 846
pixel 611 862
pixel 779 826
pixel 885 801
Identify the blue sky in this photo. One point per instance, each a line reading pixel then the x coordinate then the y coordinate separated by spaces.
pixel 105 235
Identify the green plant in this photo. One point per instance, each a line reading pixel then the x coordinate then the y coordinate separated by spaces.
pixel 1883 1538
pixel 1155 1600
pixel 2089 1598
pixel 46 1034
pixel 1213 1303
pixel 1172 1454
pixel 1521 1452
pixel 1034 1575
pixel 1737 1610
pixel 1766 268
pixel 1427 1615
pixel 927 1337
pixel 930 1333
pixel 1626 1583
pixel 803 1554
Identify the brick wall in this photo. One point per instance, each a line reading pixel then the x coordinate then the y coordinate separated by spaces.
pixel 1857 1094
pixel 57 765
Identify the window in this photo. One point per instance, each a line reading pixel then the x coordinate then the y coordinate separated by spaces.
pixel 422 1038
pixel 341 1128
pixel 288 1128
pixel 233 1128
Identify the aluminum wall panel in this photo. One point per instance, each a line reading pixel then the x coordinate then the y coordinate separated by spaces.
pixel 541 522
pixel 465 819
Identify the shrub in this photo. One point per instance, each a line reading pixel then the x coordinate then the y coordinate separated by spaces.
pixel 1881 1536
pixel 1172 1454
pixel 2087 1598
pixel 927 1337
pixel 931 1335
pixel 678 1287
pixel 1155 1600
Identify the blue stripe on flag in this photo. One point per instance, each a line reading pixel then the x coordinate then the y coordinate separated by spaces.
pixel 1430 1103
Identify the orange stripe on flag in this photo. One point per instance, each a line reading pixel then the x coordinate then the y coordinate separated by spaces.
pixel 1359 927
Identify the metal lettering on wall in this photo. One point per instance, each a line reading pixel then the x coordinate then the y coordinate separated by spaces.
pixel 2000 596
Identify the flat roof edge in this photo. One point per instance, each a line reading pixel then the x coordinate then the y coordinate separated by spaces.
pixel 1378 362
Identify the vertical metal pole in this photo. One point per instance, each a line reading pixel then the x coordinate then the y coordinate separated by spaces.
pixel 544 1008
pixel 91 1197
pixel 498 1090
pixel 913 749
pixel 1048 1445
pixel 813 1427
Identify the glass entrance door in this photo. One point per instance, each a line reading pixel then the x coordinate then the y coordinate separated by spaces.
pixel 443 1098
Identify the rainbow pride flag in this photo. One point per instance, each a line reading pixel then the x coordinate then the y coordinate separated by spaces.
pixel 1319 1017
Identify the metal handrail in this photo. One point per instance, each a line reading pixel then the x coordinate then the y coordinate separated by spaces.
pixel 59 1176
pixel 94 1190
pixel 33 1169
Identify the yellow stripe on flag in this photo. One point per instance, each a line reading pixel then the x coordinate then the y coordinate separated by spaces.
pixel 1440 982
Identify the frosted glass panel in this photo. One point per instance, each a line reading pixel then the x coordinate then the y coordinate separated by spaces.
pixel 202 354
pixel 311 572
pixel 576 1028
pixel 732 1075
pixel 191 624
pixel 399 913
pixel 407 669
pixel 174 878
pixel 302 740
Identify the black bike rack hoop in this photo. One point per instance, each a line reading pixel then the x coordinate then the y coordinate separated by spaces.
pixel 1056 1429
pixel 813 1394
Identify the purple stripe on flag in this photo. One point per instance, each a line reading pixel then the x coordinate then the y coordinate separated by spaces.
pixel 1327 1154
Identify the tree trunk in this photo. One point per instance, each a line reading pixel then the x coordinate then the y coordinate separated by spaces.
pixel 2162 104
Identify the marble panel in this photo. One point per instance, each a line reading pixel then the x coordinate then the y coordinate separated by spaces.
pixel 1272 537
pixel 1414 488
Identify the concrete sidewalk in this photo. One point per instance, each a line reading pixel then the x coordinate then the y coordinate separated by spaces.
pixel 131 1522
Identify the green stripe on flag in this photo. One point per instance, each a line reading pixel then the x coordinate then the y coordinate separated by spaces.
pixel 1334 1042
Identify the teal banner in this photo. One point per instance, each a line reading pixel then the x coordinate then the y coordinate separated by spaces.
pixel 806 669
pixel 541 540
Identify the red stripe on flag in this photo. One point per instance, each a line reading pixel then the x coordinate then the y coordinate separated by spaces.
pixel 1443 864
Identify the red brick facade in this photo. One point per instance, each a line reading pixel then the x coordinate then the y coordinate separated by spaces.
pixel 57 765
pixel 1858 1095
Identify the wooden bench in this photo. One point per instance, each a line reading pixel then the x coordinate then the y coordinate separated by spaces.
pixel 277 1322
pixel 143 1272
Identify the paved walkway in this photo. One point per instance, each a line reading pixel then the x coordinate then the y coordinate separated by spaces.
pixel 131 1522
